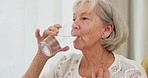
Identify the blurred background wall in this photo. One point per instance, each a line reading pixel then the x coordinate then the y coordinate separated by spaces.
pixel 138 16
pixel 20 18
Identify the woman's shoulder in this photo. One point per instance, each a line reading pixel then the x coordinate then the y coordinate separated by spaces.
pixel 61 60
pixel 66 57
pixel 130 67
pixel 128 62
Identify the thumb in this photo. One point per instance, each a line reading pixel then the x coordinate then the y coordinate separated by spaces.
pixel 37 34
pixel 65 48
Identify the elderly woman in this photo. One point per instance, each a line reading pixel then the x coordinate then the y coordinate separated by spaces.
pixel 99 30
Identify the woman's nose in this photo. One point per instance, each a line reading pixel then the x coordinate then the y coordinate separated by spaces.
pixel 75 26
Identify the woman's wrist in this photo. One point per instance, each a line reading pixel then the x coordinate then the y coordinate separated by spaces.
pixel 36 66
pixel 41 55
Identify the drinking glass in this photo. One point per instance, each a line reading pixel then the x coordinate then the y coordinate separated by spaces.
pixel 52 44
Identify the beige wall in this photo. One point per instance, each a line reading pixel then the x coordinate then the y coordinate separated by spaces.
pixel 139 28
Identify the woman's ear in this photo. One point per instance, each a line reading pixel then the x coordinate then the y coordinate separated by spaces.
pixel 107 31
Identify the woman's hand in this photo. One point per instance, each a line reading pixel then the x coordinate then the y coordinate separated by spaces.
pixel 52 31
pixel 101 74
pixel 40 59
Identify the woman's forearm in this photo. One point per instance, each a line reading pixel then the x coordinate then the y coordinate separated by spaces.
pixel 36 67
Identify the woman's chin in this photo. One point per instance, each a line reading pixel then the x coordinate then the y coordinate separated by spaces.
pixel 76 45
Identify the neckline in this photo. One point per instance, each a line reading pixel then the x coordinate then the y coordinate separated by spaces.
pixel 113 64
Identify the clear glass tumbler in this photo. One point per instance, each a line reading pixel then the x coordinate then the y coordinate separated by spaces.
pixel 53 44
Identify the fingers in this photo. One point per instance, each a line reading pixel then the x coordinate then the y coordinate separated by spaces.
pixel 48 32
pixel 57 26
pixel 103 73
pixel 100 74
pixel 106 74
pixel 37 34
pixel 65 48
pixel 93 75
pixel 52 30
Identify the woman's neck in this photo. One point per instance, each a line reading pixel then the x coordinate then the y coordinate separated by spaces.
pixel 95 56
pixel 93 59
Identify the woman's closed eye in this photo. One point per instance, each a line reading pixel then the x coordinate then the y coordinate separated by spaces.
pixel 85 18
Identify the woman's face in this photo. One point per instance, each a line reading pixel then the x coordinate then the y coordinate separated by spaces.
pixel 88 28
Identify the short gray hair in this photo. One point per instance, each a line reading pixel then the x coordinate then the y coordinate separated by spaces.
pixel 109 15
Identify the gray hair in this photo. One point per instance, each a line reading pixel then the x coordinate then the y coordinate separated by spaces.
pixel 109 15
